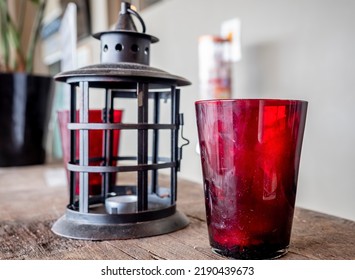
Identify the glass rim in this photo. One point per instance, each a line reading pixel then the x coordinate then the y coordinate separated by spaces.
pixel 276 101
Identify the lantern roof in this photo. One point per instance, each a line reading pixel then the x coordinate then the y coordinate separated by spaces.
pixel 125 24
pixel 124 56
pixel 123 71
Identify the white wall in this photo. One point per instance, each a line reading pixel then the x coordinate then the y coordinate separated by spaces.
pixel 301 49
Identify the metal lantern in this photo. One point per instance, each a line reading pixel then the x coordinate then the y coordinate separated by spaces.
pixel 123 211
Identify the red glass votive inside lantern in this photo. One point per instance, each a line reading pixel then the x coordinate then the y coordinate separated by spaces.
pixel 96 147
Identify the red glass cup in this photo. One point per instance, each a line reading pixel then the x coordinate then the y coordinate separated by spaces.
pixel 250 154
pixel 96 146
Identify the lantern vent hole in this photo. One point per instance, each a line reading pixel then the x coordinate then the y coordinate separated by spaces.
pixel 119 47
pixel 135 48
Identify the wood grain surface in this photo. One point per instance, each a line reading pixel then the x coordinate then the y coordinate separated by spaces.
pixel 32 198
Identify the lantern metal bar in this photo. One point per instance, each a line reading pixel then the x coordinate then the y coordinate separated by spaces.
pixel 72 119
pixel 155 148
pixel 126 126
pixel 163 94
pixel 108 141
pixel 97 218
pixel 97 159
pixel 126 168
pixel 84 148
pixel 142 184
pixel 174 141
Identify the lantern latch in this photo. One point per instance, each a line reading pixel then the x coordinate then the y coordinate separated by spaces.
pixel 187 141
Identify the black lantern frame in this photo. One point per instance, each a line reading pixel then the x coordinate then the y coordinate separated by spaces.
pixel 123 73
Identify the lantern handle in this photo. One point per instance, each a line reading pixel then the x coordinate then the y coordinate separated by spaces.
pixel 133 12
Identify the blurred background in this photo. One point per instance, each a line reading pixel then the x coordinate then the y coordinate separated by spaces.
pixel 294 49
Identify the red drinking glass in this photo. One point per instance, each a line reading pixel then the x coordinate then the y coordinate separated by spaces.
pixel 250 155
pixel 95 146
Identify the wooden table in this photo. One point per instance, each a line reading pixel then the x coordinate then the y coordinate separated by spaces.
pixel 32 198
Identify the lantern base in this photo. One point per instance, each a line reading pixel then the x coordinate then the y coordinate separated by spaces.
pixel 74 229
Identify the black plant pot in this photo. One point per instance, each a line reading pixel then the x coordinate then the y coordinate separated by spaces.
pixel 25 108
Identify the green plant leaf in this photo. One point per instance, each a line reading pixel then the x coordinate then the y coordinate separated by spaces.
pixel 12 54
pixel 4 34
pixel 35 34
